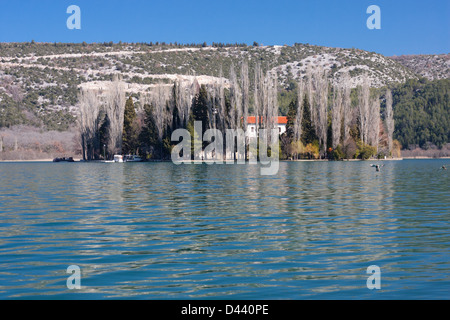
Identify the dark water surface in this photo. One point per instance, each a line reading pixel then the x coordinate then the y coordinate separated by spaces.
pixel 161 231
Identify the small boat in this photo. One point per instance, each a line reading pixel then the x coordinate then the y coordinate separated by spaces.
pixel 117 158
pixel 64 159
pixel 132 158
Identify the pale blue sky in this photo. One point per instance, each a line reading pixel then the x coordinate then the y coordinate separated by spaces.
pixel 407 27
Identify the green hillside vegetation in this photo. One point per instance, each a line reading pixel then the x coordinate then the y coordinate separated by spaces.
pixel 422 113
pixel 39 82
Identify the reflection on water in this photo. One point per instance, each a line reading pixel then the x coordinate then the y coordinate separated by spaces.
pixel 161 231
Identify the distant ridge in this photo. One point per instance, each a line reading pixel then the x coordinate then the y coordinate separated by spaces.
pixel 430 66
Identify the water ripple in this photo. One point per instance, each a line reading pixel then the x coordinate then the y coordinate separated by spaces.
pixel 157 231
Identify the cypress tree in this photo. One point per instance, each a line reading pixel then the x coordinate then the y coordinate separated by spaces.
pixel 308 130
pixel 292 113
pixel 148 137
pixel 129 139
pixel 200 108
pixel 103 134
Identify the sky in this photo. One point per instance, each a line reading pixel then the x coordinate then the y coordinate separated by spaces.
pixel 407 27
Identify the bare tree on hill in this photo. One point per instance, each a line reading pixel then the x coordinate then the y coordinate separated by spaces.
pixel 374 122
pixel 336 116
pixel 88 121
pixel 321 107
pixel 299 114
pixel 346 106
pixel 364 108
pixel 115 107
pixel 389 119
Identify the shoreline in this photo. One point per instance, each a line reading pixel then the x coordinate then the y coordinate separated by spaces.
pixel 208 161
pixel 420 158
pixel 35 160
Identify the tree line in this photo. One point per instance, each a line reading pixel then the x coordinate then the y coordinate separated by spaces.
pixel 324 120
pixel 422 113
pixel 110 124
pixel 336 122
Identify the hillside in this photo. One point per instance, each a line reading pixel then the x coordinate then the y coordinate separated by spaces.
pixel 39 82
pixel 43 78
pixel 422 113
pixel 432 67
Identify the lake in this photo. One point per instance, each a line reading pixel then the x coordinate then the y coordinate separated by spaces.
pixel 164 231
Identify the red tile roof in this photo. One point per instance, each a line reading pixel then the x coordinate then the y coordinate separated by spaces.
pixel 252 120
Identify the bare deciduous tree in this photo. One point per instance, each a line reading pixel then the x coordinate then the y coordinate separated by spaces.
pixel 115 107
pixel 220 103
pixel 336 116
pixel 258 96
pixel 161 114
pixel 183 101
pixel 245 83
pixel 374 122
pixel 235 100
pixel 346 106
pixel 310 93
pixel 245 93
pixel 88 121
pixel 389 119
pixel 364 108
pixel 321 107
pixel 299 114
pixel 272 101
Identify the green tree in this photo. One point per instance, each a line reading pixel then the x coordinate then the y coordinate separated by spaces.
pixel 200 108
pixel 365 151
pixel 103 133
pixel 422 112
pixel 286 139
pixel 292 112
pixel 308 131
pixel 148 137
pixel 130 128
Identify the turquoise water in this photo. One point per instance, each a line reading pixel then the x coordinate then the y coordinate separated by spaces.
pixel 161 231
